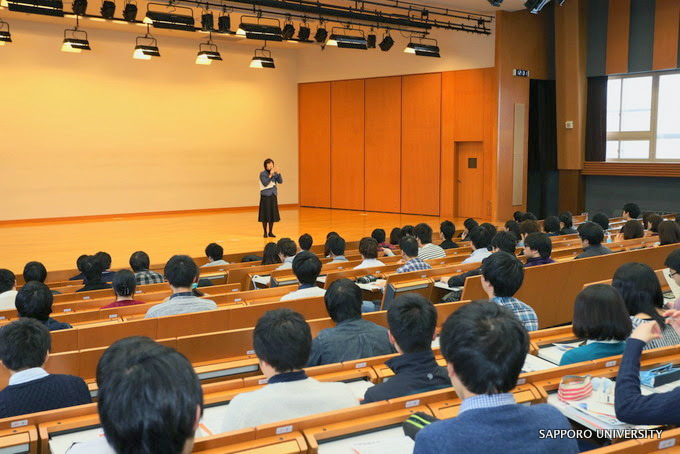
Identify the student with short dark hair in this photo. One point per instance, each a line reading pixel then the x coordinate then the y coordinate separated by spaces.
pixel 489 227
pixel 551 226
pixel 92 269
pixel 537 249
pixel 601 320
pixel 36 271
pixel 307 268
pixel 270 255
pixel 34 300
pixel 79 265
pixel 395 237
pixel 479 242
pixel 427 250
pixel 352 337
pixel 140 263
pixel 379 236
pixel 591 235
pixel 601 219
pixel 282 342
pixel 513 226
pixel 24 349
pixel 305 242
pixel 566 223
pixel 468 225
pixel 287 250
pixel 485 348
pixel 368 248
pixel 631 211
pixel 181 273
pixel 654 220
pixel 643 298
pixel 8 289
pixel 446 231
pixel 336 248
pixel 408 230
pixel 215 254
pixel 526 228
pixel 502 276
pixel 124 284
pixel 104 260
pixel 631 230
pixel 669 233
pixel 326 247
pixel 518 216
pixel 529 216
pixel 412 321
pixel 409 254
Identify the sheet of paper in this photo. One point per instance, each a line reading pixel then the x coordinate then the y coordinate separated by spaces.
pixel 262 280
pixel 443 286
pixel 59 444
pixel 554 352
pixel 395 445
pixel 374 286
pixel 533 363
pixel 211 422
pixel 359 388
pixel 346 445
pixel 321 279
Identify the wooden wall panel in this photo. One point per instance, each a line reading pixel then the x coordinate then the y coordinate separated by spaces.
pixel 314 111
pixel 421 143
pixel 468 121
pixel 618 28
pixel 447 192
pixel 383 144
pixel 347 144
pixel 666 33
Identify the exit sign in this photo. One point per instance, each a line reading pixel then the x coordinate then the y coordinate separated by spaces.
pixel 520 72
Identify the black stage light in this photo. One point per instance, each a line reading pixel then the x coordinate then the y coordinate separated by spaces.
pixel 108 9
pixel 130 12
pixel 370 41
pixel 224 23
pixel 418 47
pixel 173 20
pixel 288 32
pixel 263 59
pixel 207 22
pixel 320 35
pixel 79 7
pixel 258 30
pixel 386 43
pixel 303 33
pixel 42 7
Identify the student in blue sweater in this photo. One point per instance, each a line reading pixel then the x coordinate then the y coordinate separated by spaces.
pixel 601 320
pixel 24 349
pixel 485 346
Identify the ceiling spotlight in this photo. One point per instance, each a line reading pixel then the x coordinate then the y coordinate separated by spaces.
pixel 262 59
pixel 303 33
pixel 347 38
pixel 288 32
pixel 320 35
pixel 224 24
pixel 535 6
pixel 495 2
pixel 75 40
pixel 79 7
pixel 370 41
pixel 173 20
pixel 207 52
pixel 5 35
pixel 108 9
pixel 43 7
pixel 207 22
pixel 418 47
pixel 130 12
pixel 146 47
pixel 257 30
pixel 386 43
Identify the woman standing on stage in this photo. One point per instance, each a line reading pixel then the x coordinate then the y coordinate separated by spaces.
pixel 269 205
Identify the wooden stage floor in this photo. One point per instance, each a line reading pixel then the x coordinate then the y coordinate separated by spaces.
pixel 58 243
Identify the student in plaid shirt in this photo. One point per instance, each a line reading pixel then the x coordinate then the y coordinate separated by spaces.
pixel 409 252
pixel 502 276
pixel 140 262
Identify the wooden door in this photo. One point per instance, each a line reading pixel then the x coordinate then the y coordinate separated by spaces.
pixel 470 179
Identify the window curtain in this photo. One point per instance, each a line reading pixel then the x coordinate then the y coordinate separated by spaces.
pixel 596 119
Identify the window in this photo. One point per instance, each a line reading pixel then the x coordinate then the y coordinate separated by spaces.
pixel 643 117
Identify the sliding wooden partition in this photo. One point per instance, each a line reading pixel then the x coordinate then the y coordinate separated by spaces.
pixel 314 126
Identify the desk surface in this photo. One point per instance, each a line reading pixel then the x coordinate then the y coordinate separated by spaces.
pixel 390 440
pixel 443 286
pixel 553 352
pixel 60 443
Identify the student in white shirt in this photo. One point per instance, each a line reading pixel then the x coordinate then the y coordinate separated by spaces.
pixel 427 250
pixel 479 242
pixel 282 341
pixel 368 248
pixel 287 251
pixel 215 252
pixel 306 267
pixel 8 289
pixel 336 248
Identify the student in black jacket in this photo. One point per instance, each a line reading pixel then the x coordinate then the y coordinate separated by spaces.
pixel 446 231
pixel 92 269
pixel 34 300
pixel 412 321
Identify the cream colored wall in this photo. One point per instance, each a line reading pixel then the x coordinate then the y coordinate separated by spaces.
pixel 102 133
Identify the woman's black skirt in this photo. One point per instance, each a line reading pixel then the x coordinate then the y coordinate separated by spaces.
pixel 269 209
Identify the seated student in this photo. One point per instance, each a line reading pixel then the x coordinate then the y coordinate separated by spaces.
pixel 502 276
pixel 537 249
pixel 287 250
pixel 36 271
pixel 34 300
pixel 8 289
pixel 409 254
pixel 326 248
pixel 529 216
pixel 305 242
pixel 379 236
pixel 601 321
pixel 161 386
pixel 336 248
pixel 92 269
pixel 446 231
pixel 307 268
pixel 368 248
pixel 104 260
pixel 631 230
pixel 124 284
pixel 518 216
pixel 412 322
pixel 140 263
pixel 215 254
pixel 408 230
pixel 485 348
pixel 282 341
pixel 489 228
pixel 181 273
pixel 468 225
pixel 270 255
pixel 591 236
pixel 503 241
pixel 631 406
pixel 79 264
pixel 669 233
pixel 566 223
pixel 513 226
pixel 602 220
pixel 654 220
pixel 352 337
pixel 673 264
pixel 24 348
pixel 479 242
pixel 395 237
pixel 551 226
pixel 427 250
pixel 631 211
pixel 643 297
pixel 526 228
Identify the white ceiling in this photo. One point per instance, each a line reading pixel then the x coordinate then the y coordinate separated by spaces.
pixel 480 6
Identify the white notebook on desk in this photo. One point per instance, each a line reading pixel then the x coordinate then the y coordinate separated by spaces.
pixel 554 352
